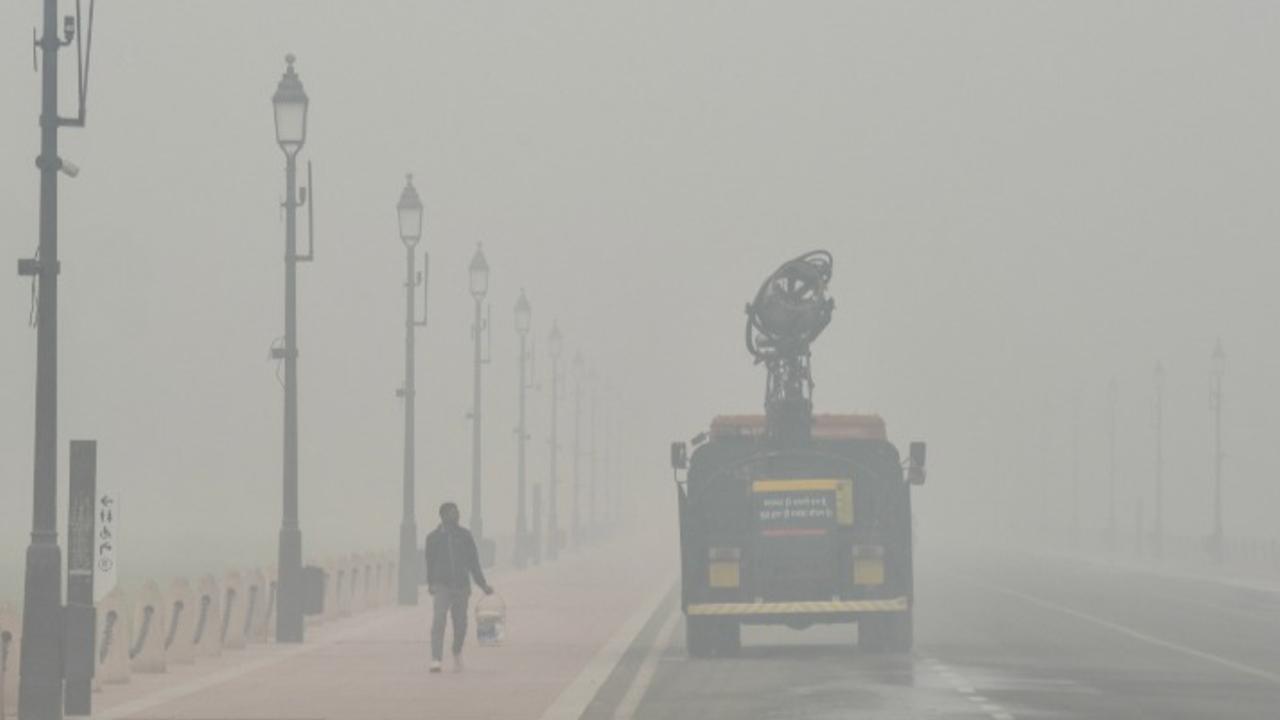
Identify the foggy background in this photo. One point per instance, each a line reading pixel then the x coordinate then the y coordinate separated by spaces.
pixel 1024 200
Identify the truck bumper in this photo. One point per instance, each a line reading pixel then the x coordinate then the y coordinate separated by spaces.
pixel 821 607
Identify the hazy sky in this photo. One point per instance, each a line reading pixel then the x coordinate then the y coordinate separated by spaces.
pixel 1024 199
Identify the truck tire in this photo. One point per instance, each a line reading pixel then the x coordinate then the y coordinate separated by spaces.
pixel 710 637
pixel 729 637
pixel 886 632
pixel 699 639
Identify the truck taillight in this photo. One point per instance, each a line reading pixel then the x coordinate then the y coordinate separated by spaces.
pixel 868 565
pixel 724 567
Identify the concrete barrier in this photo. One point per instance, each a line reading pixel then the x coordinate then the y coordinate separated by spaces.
pixel 273 597
pixel 181 612
pixel 331 602
pixel 10 650
pixel 389 580
pixel 342 589
pixel 235 608
pixel 256 620
pixel 146 648
pixel 375 580
pixel 373 594
pixel 112 647
pixel 359 583
pixel 208 610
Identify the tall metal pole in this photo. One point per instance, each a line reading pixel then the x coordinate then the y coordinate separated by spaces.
pixel 577 449
pixel 553 518
pixel 1157 540
pixel 1112 393
pixel 409 561
pixel 522 528
pixel 477 517
pixel 40 688
pixel 289 617
pixel 605 482
pixel 594 478
pixel 1075 476
pixel 1219 366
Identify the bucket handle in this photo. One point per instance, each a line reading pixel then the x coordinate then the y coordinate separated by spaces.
pixel 491 602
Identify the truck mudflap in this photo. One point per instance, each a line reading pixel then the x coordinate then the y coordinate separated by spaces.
pixel 821 607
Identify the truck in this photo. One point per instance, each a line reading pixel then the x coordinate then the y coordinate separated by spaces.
pixel 788 518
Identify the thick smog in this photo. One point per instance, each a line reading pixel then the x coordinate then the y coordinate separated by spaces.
pixel 665 360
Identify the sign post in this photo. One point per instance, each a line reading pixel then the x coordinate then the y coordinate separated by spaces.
pixel 80 615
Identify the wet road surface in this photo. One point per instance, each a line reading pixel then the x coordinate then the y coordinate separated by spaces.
pixel 996 638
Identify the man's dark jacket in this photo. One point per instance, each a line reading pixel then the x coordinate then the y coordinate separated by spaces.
pixel 452 559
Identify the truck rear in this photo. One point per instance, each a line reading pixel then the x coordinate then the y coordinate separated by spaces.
pixel 796 537
pixel 788 518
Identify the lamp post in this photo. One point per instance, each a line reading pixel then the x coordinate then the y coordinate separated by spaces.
pixel 40 689
pixel 523 321
pixel 479 283
pixel 1112 393
pixel 409 212
pixel 594 480
pixel 290 103
pixel 556 348
pixel 1157 540
pixel 1219 369
pixel 1075 476
pixel 576 523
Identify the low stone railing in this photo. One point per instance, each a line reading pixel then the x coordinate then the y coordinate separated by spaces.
pixel 152 626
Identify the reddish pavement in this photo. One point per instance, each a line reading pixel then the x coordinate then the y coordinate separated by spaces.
pixel 374 666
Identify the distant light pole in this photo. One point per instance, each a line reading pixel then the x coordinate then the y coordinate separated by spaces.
pixel 479 282
pixel 1219 369
pixel 605 479
pixel 290 103
pixel 592 484
pixel 556 347
pixel 409 212
pixel 523 321
pixel 1075 476
pixel 1157 541
pixel 578 372
pixel 1112 396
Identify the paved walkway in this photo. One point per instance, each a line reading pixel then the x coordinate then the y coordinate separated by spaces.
pixel 566 623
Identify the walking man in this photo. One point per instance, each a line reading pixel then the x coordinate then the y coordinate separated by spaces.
pixel 452 560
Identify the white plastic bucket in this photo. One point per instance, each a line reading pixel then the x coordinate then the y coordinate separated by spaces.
pixel 491 620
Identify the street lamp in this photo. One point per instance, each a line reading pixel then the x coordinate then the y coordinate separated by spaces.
pixel 1219 369
pixel 577 447
pixel 1158 421
pixel 409 214
pixel 290 103
pixel 478 273
pixel 594 478
pixel 1112 394
pixel 45 623
pixel 523 321
pixel 556 348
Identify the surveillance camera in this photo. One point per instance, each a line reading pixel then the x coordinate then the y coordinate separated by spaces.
pixel 69 169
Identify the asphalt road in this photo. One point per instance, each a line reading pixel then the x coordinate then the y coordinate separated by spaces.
pixel 996 638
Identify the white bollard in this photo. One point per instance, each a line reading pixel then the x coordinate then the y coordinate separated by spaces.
pixel 10 651
pixel 146 649
pixel 208 615
pixel 112 646
pixel 257 620
pixel 181 612
pixel 235 608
